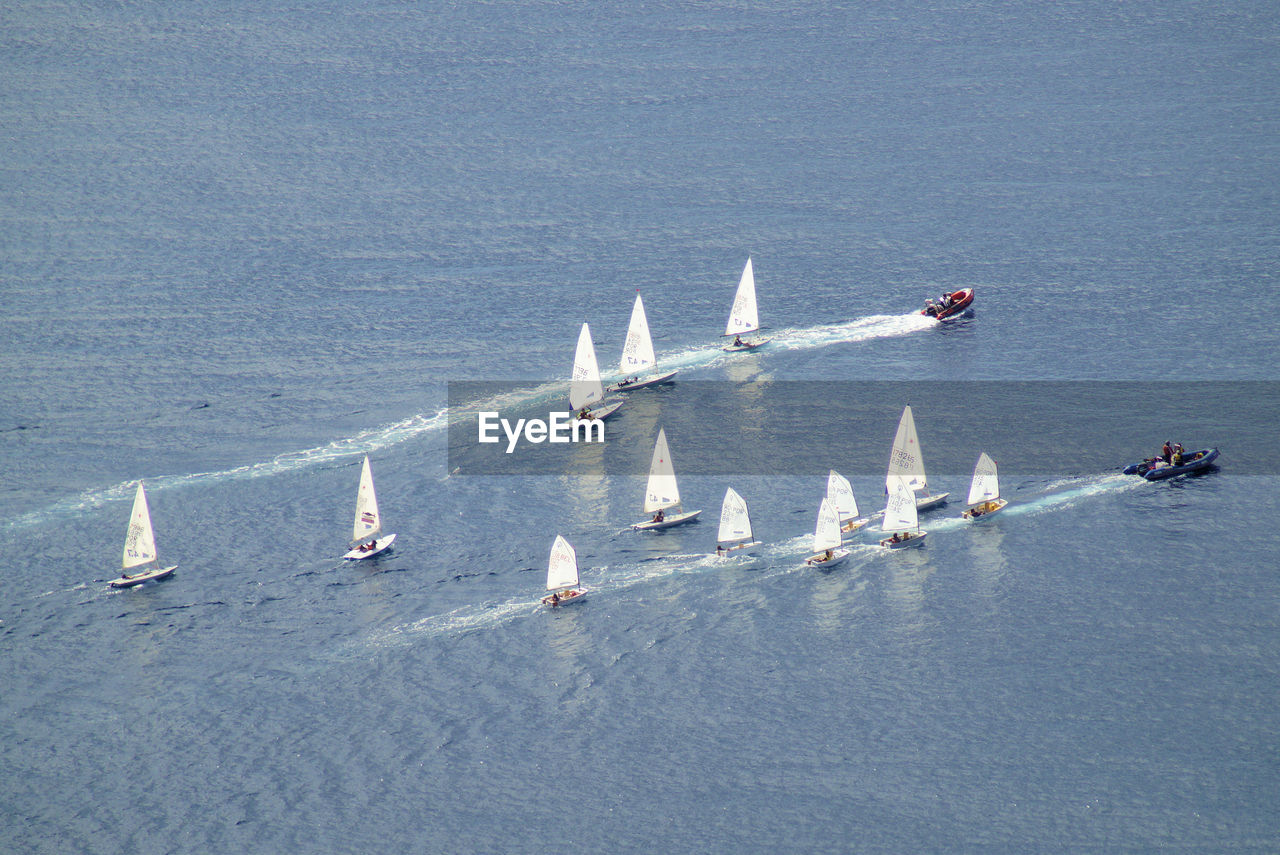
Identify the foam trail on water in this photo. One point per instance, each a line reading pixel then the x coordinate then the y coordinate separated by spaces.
pixel 777 559
pixel 550 392
pixel 291 461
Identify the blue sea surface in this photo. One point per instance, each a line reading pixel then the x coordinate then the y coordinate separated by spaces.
pixel 242 247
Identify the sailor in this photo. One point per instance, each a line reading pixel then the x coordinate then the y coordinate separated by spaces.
pixel 555 599
pixel 1166 453
pixel 737 341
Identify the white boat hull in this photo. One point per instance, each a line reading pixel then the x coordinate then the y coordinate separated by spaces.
pixel 603 410
pixel 643 382
pixel 574 595
pixel 745 346
pixel 820 560
pixel 924 503
pixel 667 522
pixel 737 549
pixel 913 538
pixel 981 512
pixel 384 543
pixel 139 578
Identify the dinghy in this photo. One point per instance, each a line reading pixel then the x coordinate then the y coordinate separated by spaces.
pixel 140 547
pixel 744 317
pixel 1157 469
pixel 585 388
pixel 367 539
pixel 906 461
pixel 826 538
pixel 950 305
pixel 840 492
pixel 900 517
pixel 562 575
pixel 984 490
pixel 735 525
pixel 639 363
pixel 661 493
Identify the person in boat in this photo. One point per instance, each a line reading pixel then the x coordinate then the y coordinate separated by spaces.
pixel 720 549
pixel 1166 453
pixel 659 516
pixel 826 556
pixel 894 538
pixel 930 308
pixel 737 341
pixel 584 413
pixel 555 599
pixel 1177 455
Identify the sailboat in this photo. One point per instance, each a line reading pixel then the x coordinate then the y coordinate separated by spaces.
pixel 366 536
pixel 140 547
pixel 840 492
pixel 901 518
pixel 639 363
pixel 744 317
pixel 905 461
pixel 562 575
pixel 984 490
pixel 826 538
pixel 585 388
pixel 735 525
pixel 661 493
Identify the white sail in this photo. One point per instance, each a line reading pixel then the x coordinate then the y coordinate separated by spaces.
pixel 140 541
pixel 637 351
pixel 840 492
pixel 905 459
pixel 826 534
pixel 584 386
pixel 735 521
pixel 661 492
pixel 562 568
pixel 368 523
pixel 900 511
pixel 985 486
pixel 744 317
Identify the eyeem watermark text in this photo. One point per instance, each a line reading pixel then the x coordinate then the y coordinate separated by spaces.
pixel 560 427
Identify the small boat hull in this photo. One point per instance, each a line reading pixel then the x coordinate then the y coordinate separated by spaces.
pixel 603 410
pixel 139 578
pixel 853 525
pixel 643 382
pixel 822 562
pixel 925 503
pixel 358 554
pixel 565 598
pixel 1197 461
pixel 745 346
pixel 959 303
pixel 986 509
pixel 913 538
pixel 667 521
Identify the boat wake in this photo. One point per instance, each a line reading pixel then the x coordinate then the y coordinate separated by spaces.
pixel 775 559
pixel 366 441
pixel 702 357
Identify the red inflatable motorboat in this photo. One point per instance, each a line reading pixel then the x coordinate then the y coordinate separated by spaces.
pixel 949 305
